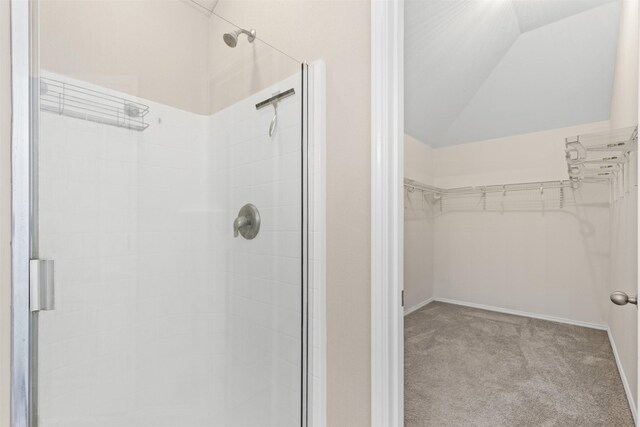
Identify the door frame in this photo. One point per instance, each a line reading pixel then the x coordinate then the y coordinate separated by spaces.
pixel 387 212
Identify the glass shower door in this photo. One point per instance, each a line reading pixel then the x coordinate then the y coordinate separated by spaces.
pixel 170 197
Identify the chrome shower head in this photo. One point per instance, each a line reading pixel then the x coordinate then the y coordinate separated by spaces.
pixel 231 38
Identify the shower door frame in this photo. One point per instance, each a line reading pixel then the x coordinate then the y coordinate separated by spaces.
pixel 24 211
pixel 23 36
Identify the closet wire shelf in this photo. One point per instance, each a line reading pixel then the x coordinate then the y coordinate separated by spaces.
pixel 599 158
pixel 600 155
pixel 544 195
pixel 78 102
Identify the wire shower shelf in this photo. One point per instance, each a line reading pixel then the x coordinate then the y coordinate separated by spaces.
pixel 75 101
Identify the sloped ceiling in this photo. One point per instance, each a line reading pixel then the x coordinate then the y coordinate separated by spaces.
pixel 481 69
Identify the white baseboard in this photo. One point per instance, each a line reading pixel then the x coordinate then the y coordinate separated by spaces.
pixel 418 306
pixel 599 326
pixel 623 377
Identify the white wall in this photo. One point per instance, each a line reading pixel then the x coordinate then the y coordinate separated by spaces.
pixel 624 103
pixel 418 160
pixel 537 156
pixel 418 225
pixel 624 211
pixel 154 49
pixel 542 260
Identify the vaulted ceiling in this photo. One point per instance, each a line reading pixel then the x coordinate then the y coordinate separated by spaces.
pixel 481 69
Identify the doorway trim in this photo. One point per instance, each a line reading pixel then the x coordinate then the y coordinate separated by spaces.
pixel 387 172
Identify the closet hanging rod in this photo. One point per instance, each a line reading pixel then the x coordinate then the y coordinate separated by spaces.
pixel 498 188
pixel 525 186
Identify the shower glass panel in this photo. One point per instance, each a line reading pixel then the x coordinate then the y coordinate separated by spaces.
pixel 174 305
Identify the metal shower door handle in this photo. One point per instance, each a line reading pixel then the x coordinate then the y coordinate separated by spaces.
pixel 621 298
pixel 41 284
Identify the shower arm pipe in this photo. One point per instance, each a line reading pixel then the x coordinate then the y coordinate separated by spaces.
pixel 251 34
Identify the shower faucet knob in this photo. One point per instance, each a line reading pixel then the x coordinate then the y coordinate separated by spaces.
pixel 247 223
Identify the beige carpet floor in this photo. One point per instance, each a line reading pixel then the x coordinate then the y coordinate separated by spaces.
pixel 470 367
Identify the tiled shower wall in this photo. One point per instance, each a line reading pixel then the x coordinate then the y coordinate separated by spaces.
pixel 162 317
pixel 265 274
pixel 139 312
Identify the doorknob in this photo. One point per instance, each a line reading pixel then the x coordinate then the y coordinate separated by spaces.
pixel 620 298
